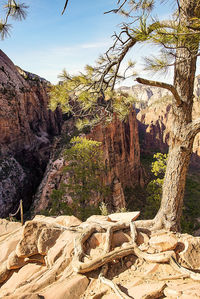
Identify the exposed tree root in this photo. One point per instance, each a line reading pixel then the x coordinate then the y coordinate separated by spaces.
pixel 183 270
pixel 128 248
pixel 118 253
pixel 113 286
pixel 155 224
pixel 131 248
pixel 88 230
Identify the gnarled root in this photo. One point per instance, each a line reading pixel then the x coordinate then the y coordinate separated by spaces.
pixel 119 253
pixel 150 225
pixel 111 284
pixel 183 270
pixel 87 231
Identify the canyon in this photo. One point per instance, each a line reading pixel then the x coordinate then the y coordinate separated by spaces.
pixel 121 156
pixel 32 156
pixel 154 115
pixel 27 128
pixel 106 257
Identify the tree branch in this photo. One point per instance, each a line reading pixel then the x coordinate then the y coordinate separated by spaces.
pixel 65 7
pixel 116 10
pixel 194 127
pixel 130 43
pixel 162 85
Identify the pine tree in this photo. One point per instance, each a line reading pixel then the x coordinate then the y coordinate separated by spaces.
pixel 12 10
pixel 178 39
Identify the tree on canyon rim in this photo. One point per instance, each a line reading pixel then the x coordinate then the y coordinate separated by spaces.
pixel 94 97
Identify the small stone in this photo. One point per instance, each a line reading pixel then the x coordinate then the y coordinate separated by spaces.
pixel 151 250
pixel 133 267
pixel 163 242
pixel 147 290
pixel 124 245
pixel 68 288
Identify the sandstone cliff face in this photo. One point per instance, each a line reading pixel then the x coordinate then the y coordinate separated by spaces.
pixel 155 117
pixel 25 119
pixel 26 131
pixel 120 145
pixel 155 123
pixel 145 95
pixel 121 149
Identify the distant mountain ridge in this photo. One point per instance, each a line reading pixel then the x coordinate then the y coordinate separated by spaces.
pixel 148 95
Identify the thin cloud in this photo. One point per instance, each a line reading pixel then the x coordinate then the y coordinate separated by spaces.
pixel 95 45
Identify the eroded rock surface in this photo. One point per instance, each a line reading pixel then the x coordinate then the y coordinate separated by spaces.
pixel 121 154
pixel 26 130
pixel 155 122
pixel 41 264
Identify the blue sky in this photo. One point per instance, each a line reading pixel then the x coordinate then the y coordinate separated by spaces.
pixel 47 42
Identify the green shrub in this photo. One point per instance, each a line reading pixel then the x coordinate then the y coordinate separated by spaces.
pixel 84 172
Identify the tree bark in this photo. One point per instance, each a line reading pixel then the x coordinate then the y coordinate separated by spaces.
pixel 182 136
pixel 170 211
pixel 183 128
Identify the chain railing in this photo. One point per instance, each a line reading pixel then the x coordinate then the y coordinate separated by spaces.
pixel 20 209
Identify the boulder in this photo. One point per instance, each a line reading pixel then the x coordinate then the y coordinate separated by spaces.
pixel 190 256
pixel 142 238
pixel 65 243
pixel 126 217
pixel 7 227
pixel 38 237
pixel 147 290
pixel 163 242
pixel 9 242
pixel 18 278
pixel 68 288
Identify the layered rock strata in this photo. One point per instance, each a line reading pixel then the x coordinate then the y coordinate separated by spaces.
pixel 155 117
pixel 121 154
pixel 155 122
pixel 121 149
pixel 26 130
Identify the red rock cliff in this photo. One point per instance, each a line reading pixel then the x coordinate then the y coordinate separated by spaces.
pixel 26 130
pixel 121 149
pixel 155 124
pixel 25 121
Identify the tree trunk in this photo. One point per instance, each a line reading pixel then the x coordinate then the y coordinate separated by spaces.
pixel 173 188
pixel 181 138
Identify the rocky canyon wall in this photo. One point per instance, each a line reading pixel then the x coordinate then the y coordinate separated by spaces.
pixel 155 117
pixel 27 127
pixel 121 152
pixel 155 123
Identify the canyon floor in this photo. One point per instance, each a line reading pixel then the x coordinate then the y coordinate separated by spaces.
pixel 103 257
